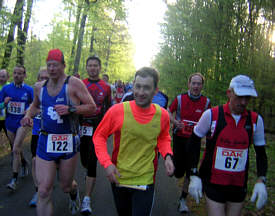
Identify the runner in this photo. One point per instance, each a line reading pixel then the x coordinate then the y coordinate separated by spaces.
pixel 188 108
pixel 119 92
pixel 231 128
pixel 42 75
pixel 139 128
pixel 59 99
pixel 159 98
pixel 17 97
pixel 101 93
pixel 4 76
pixel 105 77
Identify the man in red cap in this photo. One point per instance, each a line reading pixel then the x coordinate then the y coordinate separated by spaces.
pixel 62 98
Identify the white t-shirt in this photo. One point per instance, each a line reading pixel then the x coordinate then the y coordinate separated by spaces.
pixel 204 125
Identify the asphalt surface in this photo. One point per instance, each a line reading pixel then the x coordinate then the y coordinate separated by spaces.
pixel 16 203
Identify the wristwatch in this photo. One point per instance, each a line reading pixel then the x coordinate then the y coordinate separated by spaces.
pixel 72 109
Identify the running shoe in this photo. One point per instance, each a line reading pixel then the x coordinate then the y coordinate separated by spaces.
pixel 34 200
pixel 86 206
pixel 24 171
pixel 74 204
pixel 183 206
pixel 12 184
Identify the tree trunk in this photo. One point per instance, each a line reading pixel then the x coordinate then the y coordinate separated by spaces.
pixel 80 37
pixel 22 37
pixel 10 39
pixel 92 41
pixel 70 64
pixel 1 5
pixel 109 46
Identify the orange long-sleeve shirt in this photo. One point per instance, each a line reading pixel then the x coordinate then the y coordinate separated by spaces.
pixel 112 124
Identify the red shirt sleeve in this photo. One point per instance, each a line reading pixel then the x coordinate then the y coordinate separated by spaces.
pixel 174 105
pixel 164 138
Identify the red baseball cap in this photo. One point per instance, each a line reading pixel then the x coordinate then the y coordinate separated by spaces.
pixel 56 55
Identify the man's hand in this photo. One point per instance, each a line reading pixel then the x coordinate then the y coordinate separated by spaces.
pixel 112 172
pixel 195 188
pixel 61 109
pixel 7 100
pixel 179 124
pixel 26 121
pixel 169 166
pixel 259 192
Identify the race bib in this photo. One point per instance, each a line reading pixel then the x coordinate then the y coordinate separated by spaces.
pixel 60 143
pixel 86 131
pixel 188 127
pixel 233 160
pixel 16 108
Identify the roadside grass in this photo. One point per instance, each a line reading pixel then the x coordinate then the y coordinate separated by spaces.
pixel 249 207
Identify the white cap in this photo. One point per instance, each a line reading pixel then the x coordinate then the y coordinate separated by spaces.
pixel 243 86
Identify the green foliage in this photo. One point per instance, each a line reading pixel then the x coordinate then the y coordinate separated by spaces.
pixel 220 39
pixel 112 43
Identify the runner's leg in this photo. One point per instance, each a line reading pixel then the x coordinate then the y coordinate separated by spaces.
pixel 143 201
pixel 11 137
pixel 234 208
pixel 34 142
pixel 214 208
pixel 67 170
pixel 91 169
pixel 123 200
pixel 45 174
pixel 17 147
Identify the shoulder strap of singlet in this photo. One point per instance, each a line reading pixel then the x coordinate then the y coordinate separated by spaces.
pixel 178 117
pixel 249 124
pixel 66 91
pixel 207 103
pixel 41 107
pixel 217 116
pixel 73 118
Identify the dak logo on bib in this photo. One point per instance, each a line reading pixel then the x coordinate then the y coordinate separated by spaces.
pixel 233 160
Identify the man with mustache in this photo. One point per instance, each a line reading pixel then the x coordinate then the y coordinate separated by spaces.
pixel 230 129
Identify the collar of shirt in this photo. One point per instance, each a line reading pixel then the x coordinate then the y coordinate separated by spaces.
pixel 19 85
pixel 227 110
pixel 192 97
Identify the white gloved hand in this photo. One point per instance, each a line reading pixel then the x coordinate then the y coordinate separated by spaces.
pixel 260 192
pixel 195 188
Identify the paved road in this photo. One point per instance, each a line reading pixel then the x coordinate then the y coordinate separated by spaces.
pixel 16 204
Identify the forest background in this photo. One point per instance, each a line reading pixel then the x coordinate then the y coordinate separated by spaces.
pixel 218 38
